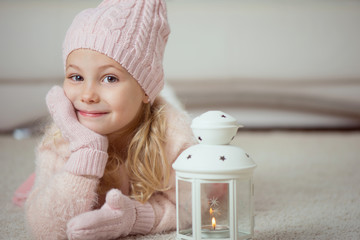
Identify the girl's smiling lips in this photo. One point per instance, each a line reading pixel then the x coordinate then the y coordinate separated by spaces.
pixel 86 113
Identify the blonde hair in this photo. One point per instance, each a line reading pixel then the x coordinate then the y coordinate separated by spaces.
pixel 146 163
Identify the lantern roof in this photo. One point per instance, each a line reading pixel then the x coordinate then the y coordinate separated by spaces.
pixel 214 159
pixel 214 119
pixel 214 127
pixel 214 130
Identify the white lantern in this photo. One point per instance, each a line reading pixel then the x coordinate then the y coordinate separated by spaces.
pixel 214 183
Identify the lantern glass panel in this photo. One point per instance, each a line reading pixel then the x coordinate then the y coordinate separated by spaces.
pixel 185 207
pixel 244 207
pixel 215 210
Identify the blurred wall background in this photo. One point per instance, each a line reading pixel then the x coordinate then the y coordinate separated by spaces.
pixel 271 63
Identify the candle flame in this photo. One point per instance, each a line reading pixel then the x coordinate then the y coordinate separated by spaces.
pixel 211 211
pixel 213 220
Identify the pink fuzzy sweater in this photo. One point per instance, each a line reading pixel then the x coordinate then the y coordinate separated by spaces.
pixel 58 195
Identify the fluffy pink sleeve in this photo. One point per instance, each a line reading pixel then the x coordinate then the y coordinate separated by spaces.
pixel 57 194
pixel 179 137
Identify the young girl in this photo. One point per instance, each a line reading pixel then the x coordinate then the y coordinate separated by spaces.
pixel 103 168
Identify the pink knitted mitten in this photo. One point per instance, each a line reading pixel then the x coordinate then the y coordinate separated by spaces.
pixel 118 217
pixel 89 149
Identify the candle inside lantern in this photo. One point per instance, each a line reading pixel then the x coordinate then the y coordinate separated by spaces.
pixel 213 221
pixel 214 231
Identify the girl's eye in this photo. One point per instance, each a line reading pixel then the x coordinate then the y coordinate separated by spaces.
pixel 77 78
pixel 110 79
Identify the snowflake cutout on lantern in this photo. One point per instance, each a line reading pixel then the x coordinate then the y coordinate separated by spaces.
pixel 215 212
pixel 214 206
pixel 213 202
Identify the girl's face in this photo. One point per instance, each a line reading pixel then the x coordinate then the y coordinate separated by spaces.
pixel 105 96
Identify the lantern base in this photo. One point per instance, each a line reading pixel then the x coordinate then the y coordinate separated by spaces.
pixel 207 232
pixel 186 232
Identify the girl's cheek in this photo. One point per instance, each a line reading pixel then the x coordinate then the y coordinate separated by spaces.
pixel 69 92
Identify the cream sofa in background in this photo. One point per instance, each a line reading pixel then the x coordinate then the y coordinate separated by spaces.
pixel 272 63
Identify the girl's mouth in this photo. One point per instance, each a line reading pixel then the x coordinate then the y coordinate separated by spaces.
pixel 91 113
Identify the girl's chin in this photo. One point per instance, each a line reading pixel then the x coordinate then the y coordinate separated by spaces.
pixel 94 127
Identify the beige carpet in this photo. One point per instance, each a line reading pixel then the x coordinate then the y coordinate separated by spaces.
pixel 307 184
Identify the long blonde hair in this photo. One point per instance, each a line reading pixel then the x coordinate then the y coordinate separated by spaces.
pixel 145 162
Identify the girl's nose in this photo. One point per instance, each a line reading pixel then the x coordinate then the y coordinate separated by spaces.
pixel 89 95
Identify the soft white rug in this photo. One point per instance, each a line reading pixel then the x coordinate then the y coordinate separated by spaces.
pixel 307 184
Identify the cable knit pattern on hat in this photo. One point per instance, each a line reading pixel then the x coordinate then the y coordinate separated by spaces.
pixel 132 32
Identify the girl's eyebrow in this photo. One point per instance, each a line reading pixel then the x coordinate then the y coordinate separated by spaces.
pixel 72 66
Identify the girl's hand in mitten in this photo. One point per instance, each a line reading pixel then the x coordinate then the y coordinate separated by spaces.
pixel 64 116
pixel 118 217
pixel 89 149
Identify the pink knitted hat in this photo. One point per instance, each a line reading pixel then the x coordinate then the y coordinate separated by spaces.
pixel 132 32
